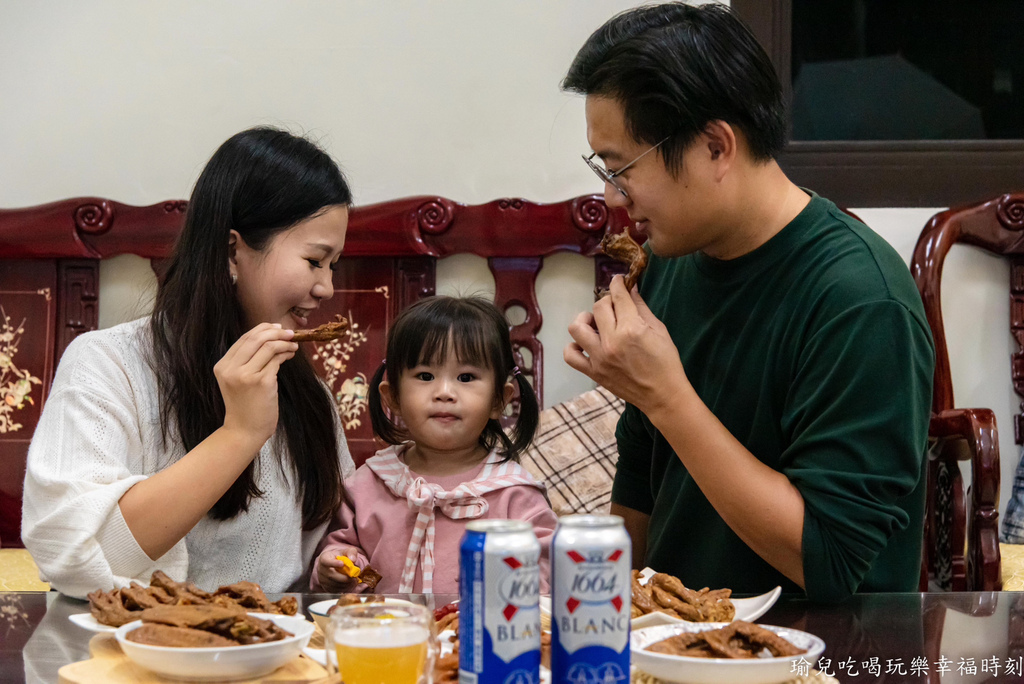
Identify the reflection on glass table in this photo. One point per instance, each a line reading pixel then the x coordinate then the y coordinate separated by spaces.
pixel 870 638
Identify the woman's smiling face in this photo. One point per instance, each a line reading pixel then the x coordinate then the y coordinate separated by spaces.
pixel 285 282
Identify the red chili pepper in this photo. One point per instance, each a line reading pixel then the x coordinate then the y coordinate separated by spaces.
pixel 452 607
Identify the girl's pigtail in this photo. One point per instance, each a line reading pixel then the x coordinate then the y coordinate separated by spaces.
pixel 383 427
pixel 529 418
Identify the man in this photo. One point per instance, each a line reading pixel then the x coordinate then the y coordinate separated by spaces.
pixel 776 360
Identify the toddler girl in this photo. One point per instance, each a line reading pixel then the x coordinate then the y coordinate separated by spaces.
pixel 437 399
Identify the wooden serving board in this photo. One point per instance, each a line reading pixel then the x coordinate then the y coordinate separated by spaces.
pixel 110 665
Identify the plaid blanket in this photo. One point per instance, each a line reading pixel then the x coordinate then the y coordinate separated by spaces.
pixel 1013 519
pixel 574 452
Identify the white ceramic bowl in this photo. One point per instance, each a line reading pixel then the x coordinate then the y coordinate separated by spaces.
pixel 672 668
pixel 319 610
pixel 232 662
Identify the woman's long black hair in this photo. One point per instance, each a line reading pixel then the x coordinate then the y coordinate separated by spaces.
pixel 260 182
pixel 476 331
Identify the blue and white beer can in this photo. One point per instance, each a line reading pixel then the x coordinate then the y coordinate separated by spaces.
pixel 591 598
pixel 499 603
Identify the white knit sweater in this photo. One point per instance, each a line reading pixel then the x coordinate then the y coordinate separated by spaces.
pixel 98 435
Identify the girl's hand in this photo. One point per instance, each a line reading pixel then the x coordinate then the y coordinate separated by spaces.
pixel 332 572
pixel 247 376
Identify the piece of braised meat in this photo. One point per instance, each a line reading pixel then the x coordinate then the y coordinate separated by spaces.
pixel 247 594
pixel 182 592
pixel 738 639
pixel 121 606
pixel 622 247
pixel 250 629
pixel 155 634
pixel 107 608
pixel 138 597
pixel 287 605
pixel 198 617
pixel 328 331
pixel 446 669
pixel 370 577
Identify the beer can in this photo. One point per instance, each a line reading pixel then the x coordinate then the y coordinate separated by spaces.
pixel 499 610
pixel 591 599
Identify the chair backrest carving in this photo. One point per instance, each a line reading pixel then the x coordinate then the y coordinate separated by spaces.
pixel 49 284
pixel 996 225
pixel 953 522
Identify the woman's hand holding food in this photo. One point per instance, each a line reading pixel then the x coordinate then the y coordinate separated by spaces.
pixel 247 376
pixel 336 569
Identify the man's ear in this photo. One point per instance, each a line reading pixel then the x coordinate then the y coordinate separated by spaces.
pixel 507 393
pixel 388 397
pixel 721 141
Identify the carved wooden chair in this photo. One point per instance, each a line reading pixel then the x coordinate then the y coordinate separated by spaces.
pixel 49 281
pixel 962 523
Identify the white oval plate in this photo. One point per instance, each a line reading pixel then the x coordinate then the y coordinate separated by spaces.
pixel 748 609
pixel 671 668
pixel 87 621
pixel 232 662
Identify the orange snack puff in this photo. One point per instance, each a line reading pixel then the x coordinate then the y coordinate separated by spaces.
pixel 350 568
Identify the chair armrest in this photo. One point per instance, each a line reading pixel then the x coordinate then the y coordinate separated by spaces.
pixel 976 428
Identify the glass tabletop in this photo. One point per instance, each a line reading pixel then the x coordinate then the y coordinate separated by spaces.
pixel 974 637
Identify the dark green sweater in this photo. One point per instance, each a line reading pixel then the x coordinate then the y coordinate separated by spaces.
pixel 814 352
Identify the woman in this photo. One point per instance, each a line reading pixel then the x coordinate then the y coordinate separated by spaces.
pixel 199 440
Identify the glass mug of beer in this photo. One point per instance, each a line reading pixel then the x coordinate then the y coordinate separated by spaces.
pixel 383 643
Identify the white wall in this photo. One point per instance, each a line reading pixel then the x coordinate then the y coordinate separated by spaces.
pixel 459 98
pixel 127 100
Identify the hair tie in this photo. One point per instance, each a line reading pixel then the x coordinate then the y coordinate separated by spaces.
pixel 515 371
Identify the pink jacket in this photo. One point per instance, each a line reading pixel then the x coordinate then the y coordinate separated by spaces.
pixel 383 525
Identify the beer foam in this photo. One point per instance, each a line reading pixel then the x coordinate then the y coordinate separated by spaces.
pixel 382 636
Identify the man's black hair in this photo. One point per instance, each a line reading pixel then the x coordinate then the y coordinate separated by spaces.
pixel 674 68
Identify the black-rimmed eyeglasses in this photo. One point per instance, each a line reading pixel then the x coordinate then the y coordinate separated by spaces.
pixel 609 176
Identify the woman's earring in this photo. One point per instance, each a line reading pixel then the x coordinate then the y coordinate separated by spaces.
pixel 234 278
